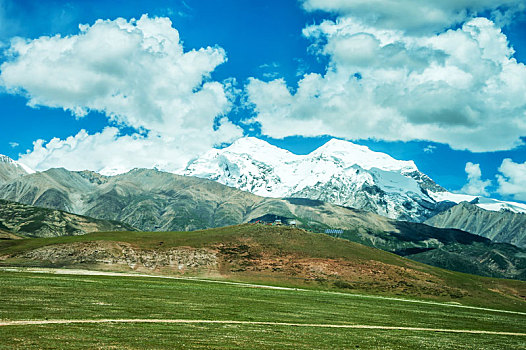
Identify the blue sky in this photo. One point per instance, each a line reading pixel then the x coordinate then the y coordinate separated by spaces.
pixel 294 73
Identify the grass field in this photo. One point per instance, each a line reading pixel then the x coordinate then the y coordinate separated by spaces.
pixel 44 296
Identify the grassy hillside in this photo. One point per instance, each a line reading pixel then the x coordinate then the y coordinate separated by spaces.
pixel 258 253
pixel 25 220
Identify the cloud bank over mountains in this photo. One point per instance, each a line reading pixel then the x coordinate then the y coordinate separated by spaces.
pixel 135 72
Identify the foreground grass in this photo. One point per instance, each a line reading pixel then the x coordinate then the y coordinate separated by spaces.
pixel 31 296
pixel 162 336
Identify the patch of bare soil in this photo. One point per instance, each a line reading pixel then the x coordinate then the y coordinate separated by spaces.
pixel 355 274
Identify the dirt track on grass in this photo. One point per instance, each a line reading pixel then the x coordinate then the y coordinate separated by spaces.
pixel 255 323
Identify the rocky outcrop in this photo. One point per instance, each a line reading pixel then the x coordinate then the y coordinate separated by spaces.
pixel 179 259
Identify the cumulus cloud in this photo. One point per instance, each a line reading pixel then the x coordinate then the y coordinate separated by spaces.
pixel 415 15
pixel 135 72
pixel 110 152
pixel 475 185
pixel 462 87
pixel 512 180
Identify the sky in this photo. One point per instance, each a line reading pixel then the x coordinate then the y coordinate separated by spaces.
pixel 113 85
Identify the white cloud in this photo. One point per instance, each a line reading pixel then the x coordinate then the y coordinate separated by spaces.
pixel 475 185
pixel 415 15
pixel 461 87
pixel 429 149
pixel 512 181
pixel 109 152
pixel 138 74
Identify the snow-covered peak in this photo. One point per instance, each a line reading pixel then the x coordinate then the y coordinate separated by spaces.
pixel 343 152
pixel 481 202
pixel 7 160
pixel 340 172
pixel 351 154
pixel 340 146
pixel 250 143
pixel 259 150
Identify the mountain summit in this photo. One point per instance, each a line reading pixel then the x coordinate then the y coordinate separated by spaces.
pixel 10 169
pixel 339 172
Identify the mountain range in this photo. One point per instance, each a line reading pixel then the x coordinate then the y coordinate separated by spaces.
pixel 152 200
pixel 339 172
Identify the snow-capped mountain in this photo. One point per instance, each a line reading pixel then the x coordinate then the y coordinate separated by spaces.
pixel 338 172
pixel 9 168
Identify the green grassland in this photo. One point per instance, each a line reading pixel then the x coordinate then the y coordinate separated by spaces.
pixel 40 296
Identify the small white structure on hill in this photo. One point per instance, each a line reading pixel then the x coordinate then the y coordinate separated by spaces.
pixel 333 231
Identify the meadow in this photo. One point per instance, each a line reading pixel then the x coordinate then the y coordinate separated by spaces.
pixel 270 317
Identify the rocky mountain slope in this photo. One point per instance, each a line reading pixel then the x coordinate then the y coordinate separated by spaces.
pixel 499 226
pixel 20 219
pixel 157 201
pixel 338 172
pixel 147 199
